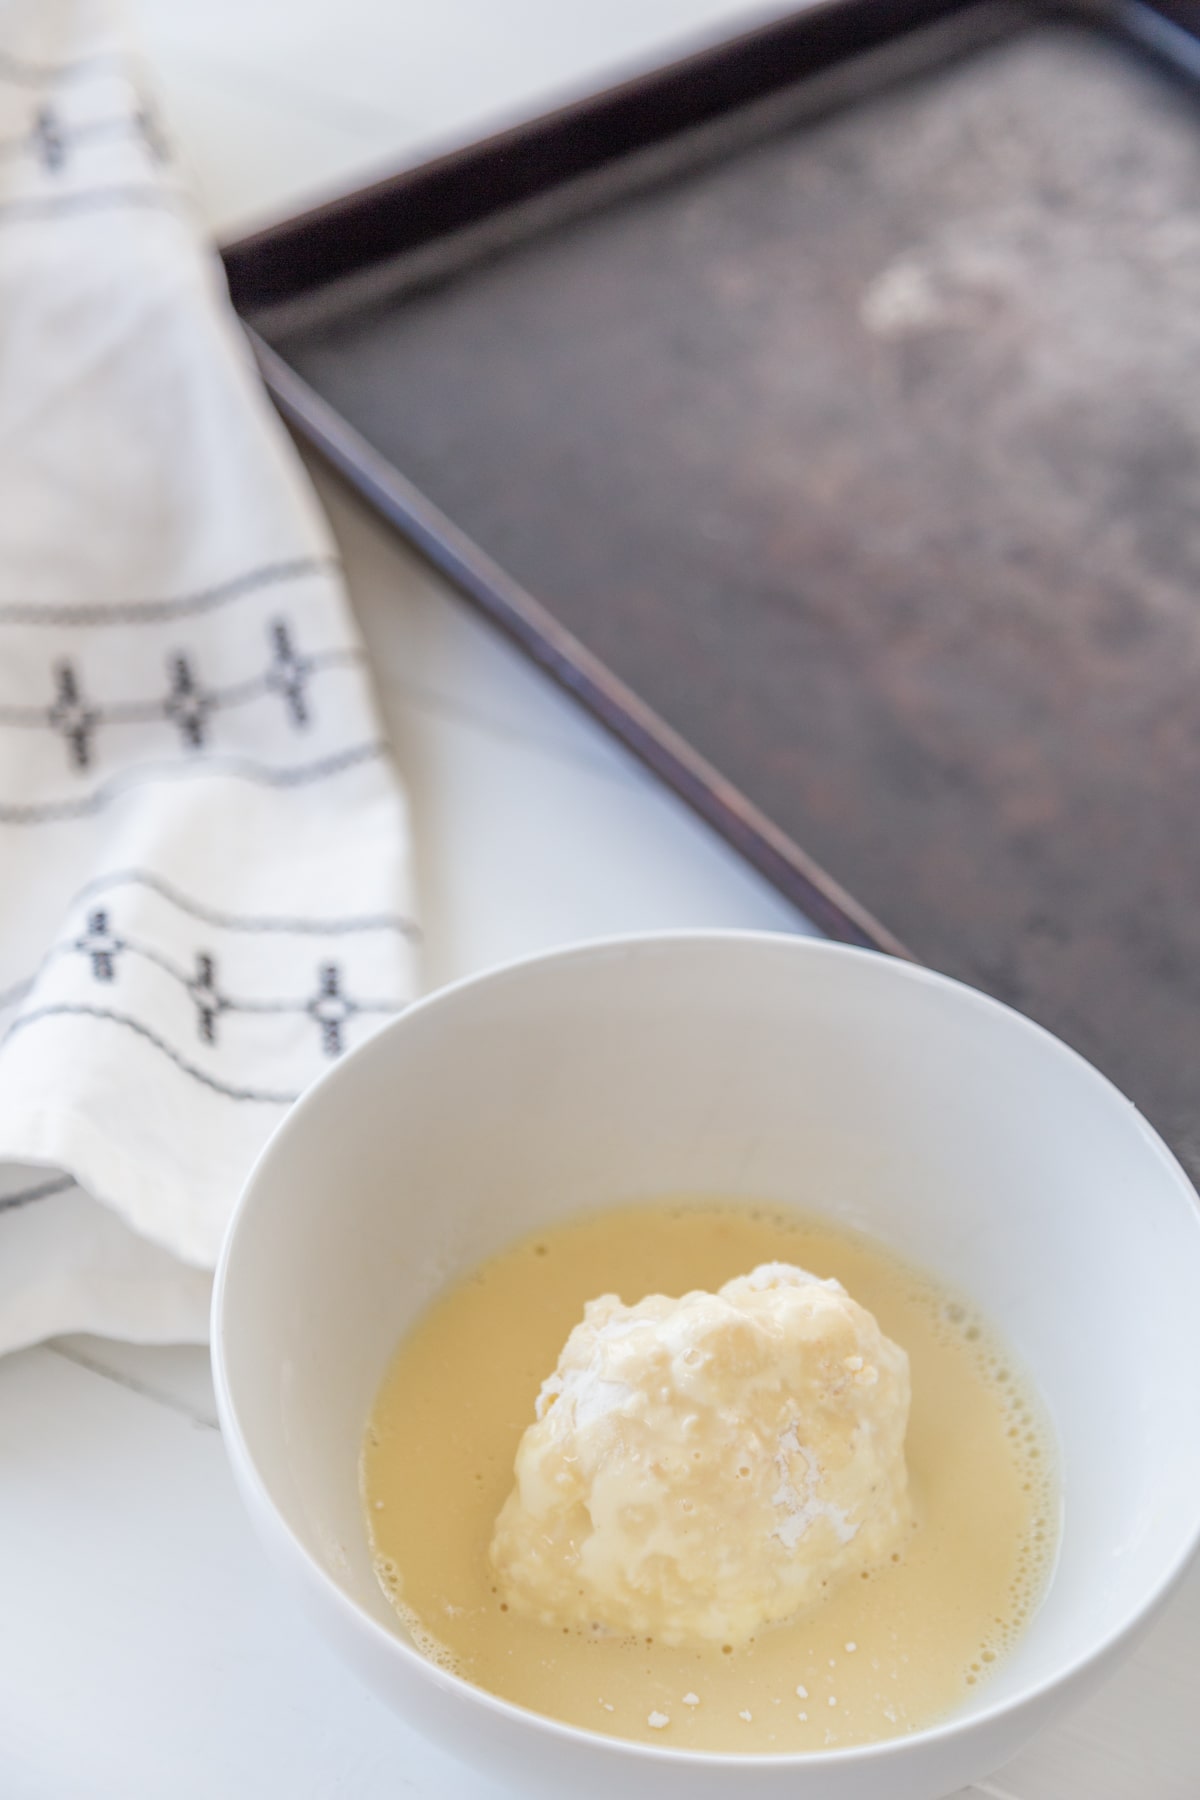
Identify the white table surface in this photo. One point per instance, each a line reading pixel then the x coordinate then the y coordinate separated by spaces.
pixel 144 1649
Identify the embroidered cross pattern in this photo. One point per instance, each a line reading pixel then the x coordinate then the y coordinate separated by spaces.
pixel 48 141
pixel 289 673
pixel 71 717
pixel 331 1008
pixel 188 705
pixel 54 142
pixel 101 945
pixel 203 989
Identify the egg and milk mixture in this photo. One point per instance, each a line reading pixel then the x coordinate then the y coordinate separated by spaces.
pixel 710 1476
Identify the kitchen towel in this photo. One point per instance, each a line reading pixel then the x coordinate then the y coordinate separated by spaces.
pixel 204 856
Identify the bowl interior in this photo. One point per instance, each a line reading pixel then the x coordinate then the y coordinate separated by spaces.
pixel 736 1066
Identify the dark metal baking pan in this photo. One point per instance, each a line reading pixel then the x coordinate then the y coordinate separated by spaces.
pixel 824 411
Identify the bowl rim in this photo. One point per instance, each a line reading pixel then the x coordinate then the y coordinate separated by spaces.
pixel 946 1731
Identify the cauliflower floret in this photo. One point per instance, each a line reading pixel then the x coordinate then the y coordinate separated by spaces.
pixel 701 1467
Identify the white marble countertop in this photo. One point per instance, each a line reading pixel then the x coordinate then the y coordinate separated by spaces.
pixel 144 1648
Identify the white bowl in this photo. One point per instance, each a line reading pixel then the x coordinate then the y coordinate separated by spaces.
pixel 727 1064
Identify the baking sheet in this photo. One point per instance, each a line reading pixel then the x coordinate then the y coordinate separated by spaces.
pixel 868 454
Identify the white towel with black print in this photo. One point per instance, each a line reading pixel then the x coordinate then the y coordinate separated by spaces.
pixel 204 880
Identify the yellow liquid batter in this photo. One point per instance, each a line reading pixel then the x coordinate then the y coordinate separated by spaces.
pixel 885 1654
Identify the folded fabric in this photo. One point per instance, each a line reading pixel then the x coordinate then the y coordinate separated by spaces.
pixel 204 867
